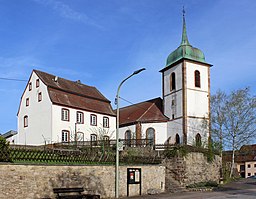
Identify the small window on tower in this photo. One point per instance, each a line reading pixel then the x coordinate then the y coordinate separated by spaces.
pixel 197 79
pixel 172 82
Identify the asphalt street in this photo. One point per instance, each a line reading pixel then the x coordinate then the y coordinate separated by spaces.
pixel 242 189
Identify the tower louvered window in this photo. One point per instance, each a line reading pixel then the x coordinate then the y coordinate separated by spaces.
pixel 197 79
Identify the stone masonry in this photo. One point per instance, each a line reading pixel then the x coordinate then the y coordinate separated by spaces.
pixel 37 181
pixel 191 169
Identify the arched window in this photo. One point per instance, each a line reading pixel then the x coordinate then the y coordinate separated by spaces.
pixel 177 139
pixel 128 137
pixel 197 79
pixel 172 82
pixel 150 136
pixel 198 140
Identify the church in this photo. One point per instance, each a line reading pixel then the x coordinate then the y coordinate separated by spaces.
pixel 182 115
pixel 56 110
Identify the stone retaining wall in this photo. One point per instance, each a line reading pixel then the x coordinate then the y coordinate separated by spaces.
pixel 191 169
pixel 37 181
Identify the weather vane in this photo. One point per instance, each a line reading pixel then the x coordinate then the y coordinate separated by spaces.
pixel 183 11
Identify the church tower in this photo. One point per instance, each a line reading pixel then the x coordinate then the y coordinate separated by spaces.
pixel 186 94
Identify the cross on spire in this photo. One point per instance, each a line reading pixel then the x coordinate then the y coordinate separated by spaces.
pixel 184 40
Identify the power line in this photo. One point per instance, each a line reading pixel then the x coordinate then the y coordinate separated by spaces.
pixel 11 79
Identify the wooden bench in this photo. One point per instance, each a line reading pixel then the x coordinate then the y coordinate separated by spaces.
pixel 73 193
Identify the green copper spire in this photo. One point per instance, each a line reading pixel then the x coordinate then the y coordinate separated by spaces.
pixel 185 50
pixel 184 40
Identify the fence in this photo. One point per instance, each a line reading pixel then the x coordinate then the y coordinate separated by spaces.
pixel 72 156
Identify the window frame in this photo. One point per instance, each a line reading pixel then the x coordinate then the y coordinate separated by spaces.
pixel 39 97
pixel 65 134
pixel 27 101
pixel 106 122
pixel 37 83
pixel 30 86
pixel 25 121
pixel 149 142
pixel 79 119
pixel 63 111
pixel 172 81
pixel 197 79
pixel 93 120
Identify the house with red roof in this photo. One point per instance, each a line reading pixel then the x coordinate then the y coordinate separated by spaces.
pixel 53 110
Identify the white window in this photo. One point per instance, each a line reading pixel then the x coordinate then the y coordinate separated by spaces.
pixel 93 137
pixel 65 136
pixel 93 120
pixel 79 117
pixel 39 97
pixel 27 102
pixel 30 86
pixel 105 122
pixel 25 121
pixel 64 114
pixel 37 83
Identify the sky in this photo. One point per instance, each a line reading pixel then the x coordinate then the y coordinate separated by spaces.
pixel 101 42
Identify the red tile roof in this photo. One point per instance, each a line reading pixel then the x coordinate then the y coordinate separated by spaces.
pixel 148 111
pixel 74 94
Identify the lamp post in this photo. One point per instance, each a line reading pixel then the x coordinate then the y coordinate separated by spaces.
pixel 117 129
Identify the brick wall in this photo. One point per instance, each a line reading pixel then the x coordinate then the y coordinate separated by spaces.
pixel 37 181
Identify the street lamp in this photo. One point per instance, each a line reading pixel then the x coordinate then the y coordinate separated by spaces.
pixel 117 129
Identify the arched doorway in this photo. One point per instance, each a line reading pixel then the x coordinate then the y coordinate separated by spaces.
pixel 198 140
pixel 177 139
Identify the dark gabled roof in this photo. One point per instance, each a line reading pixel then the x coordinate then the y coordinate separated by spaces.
pixel 75 94
pixel 148 111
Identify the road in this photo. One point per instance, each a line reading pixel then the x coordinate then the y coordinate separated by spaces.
pixel 242 189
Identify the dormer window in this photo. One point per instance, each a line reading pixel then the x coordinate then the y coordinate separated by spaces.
pixel 30 86
pixel 37 83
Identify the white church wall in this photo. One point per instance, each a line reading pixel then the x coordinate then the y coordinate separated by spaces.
pixel 160 131
pixel 194 127
pixel 175 127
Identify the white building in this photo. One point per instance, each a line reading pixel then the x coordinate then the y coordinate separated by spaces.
pixel 53 109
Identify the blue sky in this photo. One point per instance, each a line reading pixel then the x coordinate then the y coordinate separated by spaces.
pixel 101 42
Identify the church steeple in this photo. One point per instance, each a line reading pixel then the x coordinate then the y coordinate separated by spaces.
pixel 185 50
pixel 184 40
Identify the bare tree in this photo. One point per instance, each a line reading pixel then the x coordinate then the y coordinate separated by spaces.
pixel 218 109
pixel 233 119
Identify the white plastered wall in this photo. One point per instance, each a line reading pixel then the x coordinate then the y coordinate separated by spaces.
pixel 38 131
pixel 84 129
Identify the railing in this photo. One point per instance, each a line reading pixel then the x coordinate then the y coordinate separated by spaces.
pixel 71 156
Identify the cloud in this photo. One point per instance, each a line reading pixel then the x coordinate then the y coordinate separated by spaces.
pixel 67 12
